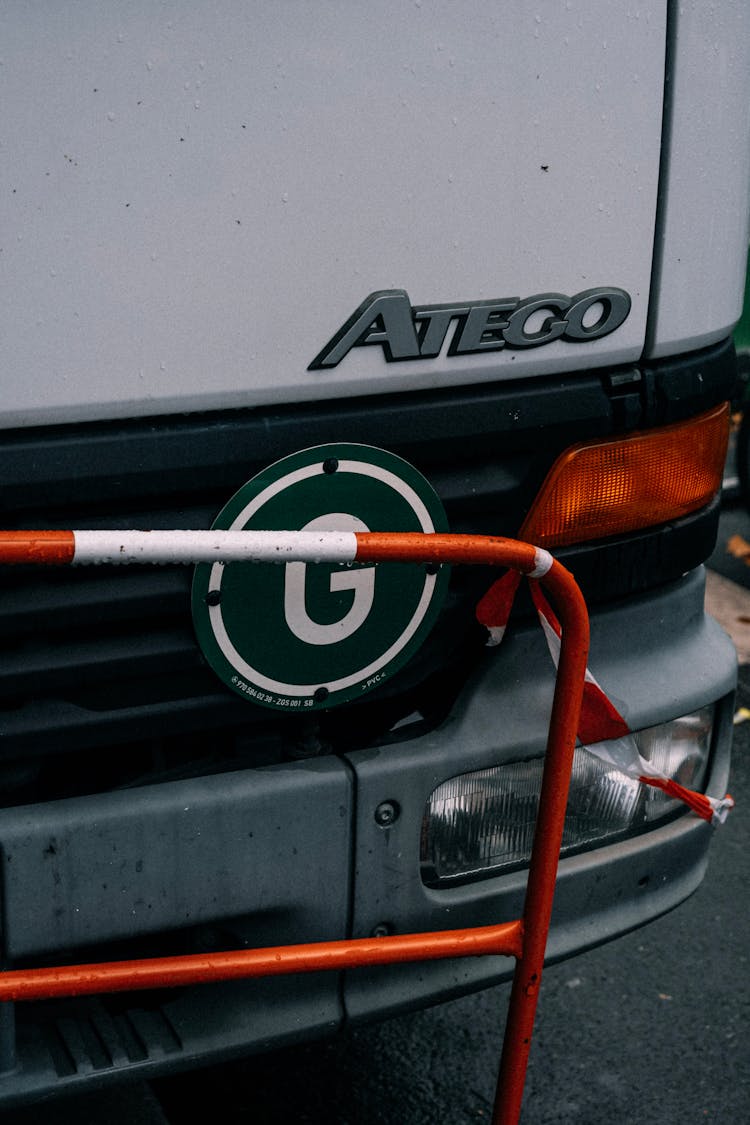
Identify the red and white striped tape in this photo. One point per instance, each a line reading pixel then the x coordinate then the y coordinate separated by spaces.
pixel 602 730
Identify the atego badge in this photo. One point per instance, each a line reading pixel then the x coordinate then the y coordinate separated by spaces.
pixel 300 637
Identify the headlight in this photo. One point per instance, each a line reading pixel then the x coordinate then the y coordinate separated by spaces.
pixel 482 823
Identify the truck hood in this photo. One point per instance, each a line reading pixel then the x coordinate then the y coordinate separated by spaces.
pixel 197 205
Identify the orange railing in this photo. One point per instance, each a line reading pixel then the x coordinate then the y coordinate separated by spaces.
pixel 524 938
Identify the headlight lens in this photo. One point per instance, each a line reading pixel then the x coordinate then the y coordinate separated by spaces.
pixel 482 823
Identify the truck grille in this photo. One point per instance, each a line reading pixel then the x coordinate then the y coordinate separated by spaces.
pixel 102 684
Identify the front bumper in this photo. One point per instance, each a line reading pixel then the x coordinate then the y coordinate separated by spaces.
pixel 295 853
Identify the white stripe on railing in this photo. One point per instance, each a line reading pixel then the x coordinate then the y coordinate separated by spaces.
pixel 214 546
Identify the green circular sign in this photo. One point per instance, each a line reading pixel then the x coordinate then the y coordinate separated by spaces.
pixel 298 636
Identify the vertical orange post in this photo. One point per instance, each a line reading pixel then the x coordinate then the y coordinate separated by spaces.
pixel 545 853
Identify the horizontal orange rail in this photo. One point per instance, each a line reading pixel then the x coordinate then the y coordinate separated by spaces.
pixel 505 939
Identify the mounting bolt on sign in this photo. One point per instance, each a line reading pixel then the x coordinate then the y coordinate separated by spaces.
pixel 297 637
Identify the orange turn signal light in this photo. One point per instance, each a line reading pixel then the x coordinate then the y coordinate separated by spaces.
pixel 616 485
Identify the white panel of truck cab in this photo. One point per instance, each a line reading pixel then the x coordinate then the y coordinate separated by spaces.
pixel 701 248
pixel 197 198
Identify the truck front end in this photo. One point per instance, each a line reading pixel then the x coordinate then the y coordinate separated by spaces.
pixel 503 246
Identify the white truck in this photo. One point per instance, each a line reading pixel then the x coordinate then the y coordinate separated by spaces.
pixel 503 244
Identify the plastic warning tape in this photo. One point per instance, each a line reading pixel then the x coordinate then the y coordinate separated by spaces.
pixel 602 730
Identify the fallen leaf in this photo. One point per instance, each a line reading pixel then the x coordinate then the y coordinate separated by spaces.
pixel 739 548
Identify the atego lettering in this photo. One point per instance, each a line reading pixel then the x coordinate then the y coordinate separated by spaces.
pixel 405 332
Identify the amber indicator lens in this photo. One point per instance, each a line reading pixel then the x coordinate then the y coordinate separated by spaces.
pixel 610 487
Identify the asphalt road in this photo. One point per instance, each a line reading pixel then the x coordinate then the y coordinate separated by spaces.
pixel 649 1029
